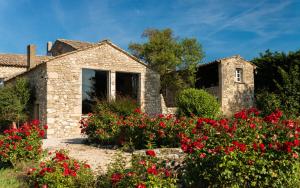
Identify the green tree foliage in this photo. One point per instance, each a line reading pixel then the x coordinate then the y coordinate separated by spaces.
pixel 14 99
pixel 174 59
pixel 278 73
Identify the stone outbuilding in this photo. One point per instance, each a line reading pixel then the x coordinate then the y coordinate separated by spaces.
pixel 67 81
pixel 230 80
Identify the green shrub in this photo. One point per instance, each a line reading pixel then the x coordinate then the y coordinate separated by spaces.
pixel 122 106
pixel 268 102
pixel 144 171
pixel 61 171
pixel 197 102
pixel 246 151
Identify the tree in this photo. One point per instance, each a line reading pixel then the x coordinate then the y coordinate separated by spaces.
pixel 14 101
pixel 278 73
pixel 174 59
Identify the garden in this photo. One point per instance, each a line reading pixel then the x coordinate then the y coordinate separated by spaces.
pixel 247 150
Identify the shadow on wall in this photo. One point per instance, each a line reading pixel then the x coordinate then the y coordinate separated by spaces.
pixel 152 93
pixel 241 99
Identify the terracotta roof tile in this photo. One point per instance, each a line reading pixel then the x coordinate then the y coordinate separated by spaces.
pixel 19 60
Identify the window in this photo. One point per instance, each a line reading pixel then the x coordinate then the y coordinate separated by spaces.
pixel 1 82
pixel 238 75
pixel 94 88
pixel 127 85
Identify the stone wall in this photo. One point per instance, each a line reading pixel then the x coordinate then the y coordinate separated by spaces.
pixel 64 90
pixel 236 95
pixel 215 91
pixel 9 71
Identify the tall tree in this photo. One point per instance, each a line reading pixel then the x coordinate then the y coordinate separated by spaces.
pixel 173 58
pixel 278 73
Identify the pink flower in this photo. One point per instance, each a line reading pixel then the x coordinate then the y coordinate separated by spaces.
pixel 202 155
pixel 295 155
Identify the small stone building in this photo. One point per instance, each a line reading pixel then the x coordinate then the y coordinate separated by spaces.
pixel 230 80
pixel 65 83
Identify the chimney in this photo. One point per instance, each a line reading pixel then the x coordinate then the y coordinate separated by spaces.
pixel 49 47
pixel 31 59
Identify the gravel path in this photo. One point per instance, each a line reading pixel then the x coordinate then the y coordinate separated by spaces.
pixel 98 158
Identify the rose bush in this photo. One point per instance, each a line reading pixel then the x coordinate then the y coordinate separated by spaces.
pixel 61 171
pixel 137 130
pixel 144 171
pixel 22 144
pixel 245 151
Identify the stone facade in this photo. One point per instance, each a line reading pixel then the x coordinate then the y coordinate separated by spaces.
pixel 236 95
pixel 233 95
pixel 58 85
pixel 9 71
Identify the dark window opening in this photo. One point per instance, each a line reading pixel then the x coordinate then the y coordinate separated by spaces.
pixel 36 113
pixel 94 88
pixel 127 85
pixel 207 76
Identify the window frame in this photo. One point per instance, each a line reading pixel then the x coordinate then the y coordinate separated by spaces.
pixel 239 75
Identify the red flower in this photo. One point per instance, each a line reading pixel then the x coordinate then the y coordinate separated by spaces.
pixel 252 126
pixel 167 173
pixel 241 115
pixel 262 147
pixel 116 177
pixel 35 122
pixel 162 124
pixel 151 153
pixel 141 185
pixel 45 126
pixel 152 170
pixel 42 133
pixel 29 148
pixel 87 166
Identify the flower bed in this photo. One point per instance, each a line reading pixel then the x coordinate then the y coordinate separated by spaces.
pixel 144 171
pixel 246 151
pixel 22 144
pixel 137 131
pixel 61 171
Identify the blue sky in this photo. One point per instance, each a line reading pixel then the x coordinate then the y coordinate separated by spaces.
pixel 223 27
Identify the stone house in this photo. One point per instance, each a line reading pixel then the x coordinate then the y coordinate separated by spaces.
pixel 73 72
pixel 65 82
pixel 230 80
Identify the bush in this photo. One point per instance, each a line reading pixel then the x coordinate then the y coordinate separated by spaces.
pixel 144 171
pixel 268 102
pixel 136 131
pixel 247 151
pixel 197 102
pixel 123 106
pixel 22 144
pixel 61 171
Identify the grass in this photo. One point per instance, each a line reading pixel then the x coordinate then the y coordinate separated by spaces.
pixel 13 177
